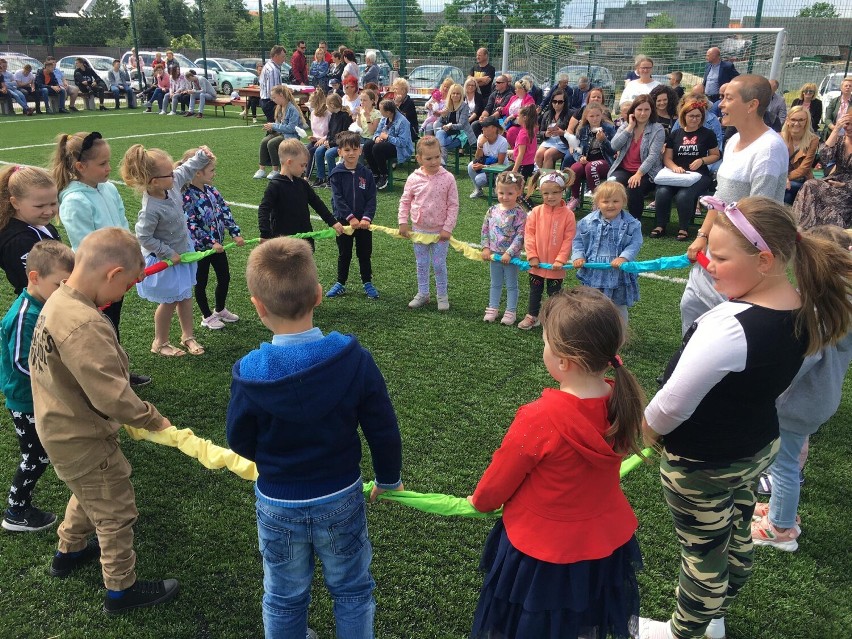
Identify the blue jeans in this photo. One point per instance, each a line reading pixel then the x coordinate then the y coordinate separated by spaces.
pixel 47 93
pixel 448 141
pixel 337 533
pixel 18 97
pixel 500 274
pixel 791 193
pixel 784 501
pixel 201 97
pixel 480 179
pixel 157 97
pixel 118 89
pixel 324 167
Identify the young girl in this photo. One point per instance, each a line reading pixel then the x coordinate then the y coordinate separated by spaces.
pixel 325 149
pixel 160 88
pixel 561 562
pixel 27 205
pixel 431 199
pixel 434 106
pixel 609 235
pixel 503 233
pixel 320 116
pixel 288 117
pixel 595 155
pixel 207 216
pixel 523 154
pixel 547 238
pixel 367 116
pixel 177 87
pixel 716 411
pixel 162 232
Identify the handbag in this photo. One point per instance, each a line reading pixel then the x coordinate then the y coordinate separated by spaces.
pixel 667 177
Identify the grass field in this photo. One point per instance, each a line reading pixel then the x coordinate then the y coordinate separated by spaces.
pixel 456 384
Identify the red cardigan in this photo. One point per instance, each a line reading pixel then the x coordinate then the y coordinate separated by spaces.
pixel 558 482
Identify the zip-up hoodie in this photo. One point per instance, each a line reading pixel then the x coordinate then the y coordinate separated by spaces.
pixel 548 236
pixel 83 209
pixel 16 241
pixel 17 333
pixel 295 411
pixel 432 201
pixel 284 207
pixel 353 193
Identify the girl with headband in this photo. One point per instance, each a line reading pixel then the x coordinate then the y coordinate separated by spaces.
pixel 561 562
pixel 715 417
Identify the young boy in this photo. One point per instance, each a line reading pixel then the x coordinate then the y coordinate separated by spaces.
pixel 296 405
pixel 82 396
pixel 48 263
pixel 284 208
pixel 353 199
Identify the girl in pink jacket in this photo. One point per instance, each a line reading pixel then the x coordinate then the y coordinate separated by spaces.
pixel 548 236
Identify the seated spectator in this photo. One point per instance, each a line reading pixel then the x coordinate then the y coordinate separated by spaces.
pixel 693 148
pixel 325 153
pixel 593 96
pixel 24 79
pixel 406 105
pixel 643 85
pixel 675 78
pixel 553 125
pixel 535 90
pixel 88 81
pixel 807 98
pixel 161 83
pixel 47 84
pixel 366 117
pixel 499 97
pixel 119 82
pixel 454 131
pixel 320 116
pixel 392 141
pixel 561 85
pixel 776 112
pixel 178 87
pixel 9 89
pixel 711 121
pixel 474 99
pixel 351 97
pixel 199 89
pixel 665 104
pixel 491 148
pixel 513 108
pixel 371 71
pixel 71 89
pixel 802 144
pixel 595 155
pixel 435 106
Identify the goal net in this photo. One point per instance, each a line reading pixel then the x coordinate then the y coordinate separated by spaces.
pixel 606 56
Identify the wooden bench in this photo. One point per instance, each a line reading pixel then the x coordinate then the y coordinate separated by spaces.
pixel 220 103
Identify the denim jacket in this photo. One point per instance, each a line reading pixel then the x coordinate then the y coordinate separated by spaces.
pixel 399 134
pixel 291 119
pixel 585 137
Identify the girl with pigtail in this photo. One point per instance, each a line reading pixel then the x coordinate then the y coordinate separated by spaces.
pixel 561 561
pixel 715 416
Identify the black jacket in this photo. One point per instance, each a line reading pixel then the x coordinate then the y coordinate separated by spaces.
pixel 16 241
pixel 284 208
pixel 87 75
pixel 407 108
pixel 337 123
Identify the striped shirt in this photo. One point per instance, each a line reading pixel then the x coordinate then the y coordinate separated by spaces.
pixel 270 76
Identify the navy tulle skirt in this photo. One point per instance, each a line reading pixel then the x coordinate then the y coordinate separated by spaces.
pixel 525 598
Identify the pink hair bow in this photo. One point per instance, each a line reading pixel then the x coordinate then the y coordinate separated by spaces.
pixel 736 217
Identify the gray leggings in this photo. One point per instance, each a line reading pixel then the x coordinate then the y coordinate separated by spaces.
pixel 269 149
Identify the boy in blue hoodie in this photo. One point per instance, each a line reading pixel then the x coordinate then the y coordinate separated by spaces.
pixel 295 408
pixel 48 263
pixel 353 199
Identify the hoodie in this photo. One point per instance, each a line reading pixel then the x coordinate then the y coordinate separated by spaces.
pixel 17 238
pixel 353 193
pixel 84 209
pixel 295 410
pixel 558 481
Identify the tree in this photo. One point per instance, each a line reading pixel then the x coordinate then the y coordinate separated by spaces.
pixel 221 21
pixel 451 40
pixel 819 10
pixel 658 45
pixel 562 46
pixel 384 18
pixel 28 17
pixel 105 22
pixel 185 41
pixel 150 24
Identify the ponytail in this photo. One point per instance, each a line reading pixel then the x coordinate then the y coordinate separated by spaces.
pixel 62 163
pixel 138 166
pixel 625 412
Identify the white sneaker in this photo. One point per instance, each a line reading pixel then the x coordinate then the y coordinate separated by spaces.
pixel 443 303
pixel 419 301
pixel 213 322
pixel 170 113
pixel 243 113
pixel 259 174
pixel 227 316
pixel 273 174
pixel 716 629
pixel 652 629
pixel 476 193
pixel 163 112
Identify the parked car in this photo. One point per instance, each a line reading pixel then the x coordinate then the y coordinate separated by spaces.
pixel 147 58
pixel 423 80
pixel 230 73
pixel 18 60
pixel 250 64
pixel 598 77
pixel 384 72
pixel 100 63
pixel 829 89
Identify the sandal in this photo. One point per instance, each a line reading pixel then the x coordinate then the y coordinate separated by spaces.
pixel 682 236
pixel 192 346
pixel 658 232
pixel 167 350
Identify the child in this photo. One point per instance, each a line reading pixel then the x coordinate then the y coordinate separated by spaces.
pixel 716 409
pixel 503 233
pixel 88 200
pixel 320 116
pixel 431 199
pixel 366 117
pixel 609 235
pixel 288 117
pixel 353 198
pixel 27 205
pixel 799 416
pixel 162 232
pixel 284 207
pixel 561 562
pixel 309 489
pixel 526 145
pixel 207 216
pixel 48 263
pixel 81 397
pixel 434 106
pixel 326 147
pixel 547 238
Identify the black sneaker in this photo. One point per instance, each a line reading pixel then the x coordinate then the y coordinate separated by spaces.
pixel 64 565
pixel 382 182
pixel 73 108
pixel 30 520
pixel 137 380
pixel 142 594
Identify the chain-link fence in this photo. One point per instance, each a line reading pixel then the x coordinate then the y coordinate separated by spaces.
pixel 409 33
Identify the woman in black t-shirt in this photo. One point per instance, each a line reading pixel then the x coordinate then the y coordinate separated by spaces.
pixel 691 148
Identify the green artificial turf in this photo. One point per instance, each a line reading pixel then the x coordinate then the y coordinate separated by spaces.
pixel 456 384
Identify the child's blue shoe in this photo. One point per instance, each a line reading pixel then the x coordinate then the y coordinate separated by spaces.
pixel 338 290
pixel 370 290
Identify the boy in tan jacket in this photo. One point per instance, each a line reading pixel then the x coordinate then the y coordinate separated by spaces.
pixel 82 396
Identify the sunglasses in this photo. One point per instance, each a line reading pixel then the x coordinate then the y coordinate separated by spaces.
pixel 499 82
pixel 557 101
pixel 808 91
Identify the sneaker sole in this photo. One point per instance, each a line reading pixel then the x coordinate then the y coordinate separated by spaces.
pixel 148 604
pixel 786 546
pixel 7 525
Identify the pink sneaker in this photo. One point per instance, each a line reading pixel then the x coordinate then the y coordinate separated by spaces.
pixel 490 315
pixel 227 316
pixel 761 510
pixel 763 533
pixel 573 203
pixel 509 318
pixel 528 323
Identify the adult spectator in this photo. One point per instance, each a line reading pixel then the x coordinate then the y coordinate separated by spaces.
pixel 580 95
pixel 491 148
pixel 716 73
pixel 554 123
pixel 754 162
pixel 318 74
pixel 178 88
pixel 776 112
pixel 807 98
pixel 475 102
pixel 10 88
pixel 675 78
pixel 270 76
pixel 199 90
pixel 335 72
pixel 159 62
pixel 839 106
pixel 483 72
pixel 513 107
pixel 299 64
pixel 371 71
pixel 692 147
pixel 405 105
pixel 24 79
pixel 171 61
pixel 47 84
pixel 802 144
pixel 454 131
pixel 595 95
pixel 665 102
pixel 119 82
pixel 829 201
pixel 325 52
pixel 567 91
pixel 70 89
pixel 351 97
pixel 392 141
pixel 711 121
pixel 499 97
pixel 88 81
pixel 350 68
pixel 639 144
pixel 643 84
pixel 535 91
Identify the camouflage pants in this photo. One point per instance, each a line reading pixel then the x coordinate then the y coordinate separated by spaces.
pixel 712 506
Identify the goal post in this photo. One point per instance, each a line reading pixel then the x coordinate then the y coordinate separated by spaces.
pixel 608 54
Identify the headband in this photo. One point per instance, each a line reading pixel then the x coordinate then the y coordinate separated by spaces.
pixel 17 168
pixel 696 105
pixel 88 143
pixel 736 217
pixel 510 176
pixel 555 178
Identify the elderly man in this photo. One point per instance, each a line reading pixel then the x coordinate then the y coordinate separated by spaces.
pixel 483 72
pixel 716 73
pixel 561 83
pixel 500 96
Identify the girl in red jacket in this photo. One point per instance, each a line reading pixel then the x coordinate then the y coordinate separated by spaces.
pixel 561 562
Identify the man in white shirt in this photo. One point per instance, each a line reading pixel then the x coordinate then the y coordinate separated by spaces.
pixel 270 76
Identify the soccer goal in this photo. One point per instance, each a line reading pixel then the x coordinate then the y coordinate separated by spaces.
pixel 606 56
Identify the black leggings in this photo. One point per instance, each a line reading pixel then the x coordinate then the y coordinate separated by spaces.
pixel 113 312
pixel 537 284
pixel 34 462
pixel 378 154
pixel 219 261
pixel 252 104
pixel 363 240
pixel 635 197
